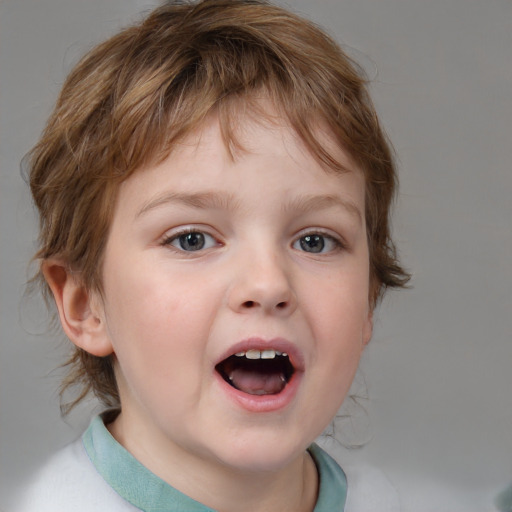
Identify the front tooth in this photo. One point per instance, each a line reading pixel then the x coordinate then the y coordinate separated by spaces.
pixel 253 354
pixel 268 354
pixel 240 354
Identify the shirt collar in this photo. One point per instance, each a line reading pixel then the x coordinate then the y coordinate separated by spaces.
pixel 146 491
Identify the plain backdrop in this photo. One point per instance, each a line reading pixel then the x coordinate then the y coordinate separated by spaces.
pixel 438 371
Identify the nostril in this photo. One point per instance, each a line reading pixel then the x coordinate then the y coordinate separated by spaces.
pixel 251 304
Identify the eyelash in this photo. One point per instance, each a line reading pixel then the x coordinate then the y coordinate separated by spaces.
pixel 337 244
pixel 168 240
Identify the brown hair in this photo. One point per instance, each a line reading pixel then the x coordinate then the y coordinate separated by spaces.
pixel 133 97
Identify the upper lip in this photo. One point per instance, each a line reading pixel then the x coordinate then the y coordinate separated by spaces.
pixel 280 344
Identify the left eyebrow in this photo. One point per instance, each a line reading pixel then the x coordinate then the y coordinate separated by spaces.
pixel 313 203
pixel 201 200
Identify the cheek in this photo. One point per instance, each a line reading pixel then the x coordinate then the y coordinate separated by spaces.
pixel 339 346
pixel 340 307
pixel 157 322
pixel 158 348
pixel 340 322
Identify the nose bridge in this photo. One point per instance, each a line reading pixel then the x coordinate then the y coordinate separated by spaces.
pixel 262 281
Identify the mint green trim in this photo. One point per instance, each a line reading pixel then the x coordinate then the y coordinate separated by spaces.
pixel 146 491
pixel 129 478
pixel 333 482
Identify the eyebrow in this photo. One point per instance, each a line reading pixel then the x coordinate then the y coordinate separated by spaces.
pixel 223 200
pixel 313 203
pixel 200 200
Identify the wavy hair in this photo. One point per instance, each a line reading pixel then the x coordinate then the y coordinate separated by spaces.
pixel 132 98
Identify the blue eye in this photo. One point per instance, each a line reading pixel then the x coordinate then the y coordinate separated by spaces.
pixel 316 243
pixel 191 241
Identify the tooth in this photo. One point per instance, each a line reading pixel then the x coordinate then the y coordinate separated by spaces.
pixel 278 353
pixel 284 354
pixel 268 354
pixel 253 354
pixel 240 354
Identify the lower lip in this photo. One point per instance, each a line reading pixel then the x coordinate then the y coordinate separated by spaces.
pixel 262 403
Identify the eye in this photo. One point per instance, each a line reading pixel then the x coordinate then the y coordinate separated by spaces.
pixel 191 241
pixel 317 243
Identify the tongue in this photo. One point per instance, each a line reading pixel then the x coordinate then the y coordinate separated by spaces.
pixel 255 383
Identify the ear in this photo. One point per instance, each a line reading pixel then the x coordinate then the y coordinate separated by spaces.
pixel 368 328
pixel 80 311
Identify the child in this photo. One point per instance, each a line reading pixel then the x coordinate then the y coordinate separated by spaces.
pixel 214 193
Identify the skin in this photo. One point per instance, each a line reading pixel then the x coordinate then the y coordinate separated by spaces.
pixel 170 314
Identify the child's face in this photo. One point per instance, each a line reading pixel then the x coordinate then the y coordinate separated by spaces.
pixel 208 257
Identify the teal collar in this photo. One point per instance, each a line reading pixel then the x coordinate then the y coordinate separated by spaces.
pixel 332 482
pixel 146 491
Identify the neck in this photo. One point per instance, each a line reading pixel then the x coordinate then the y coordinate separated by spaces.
pixel 293 488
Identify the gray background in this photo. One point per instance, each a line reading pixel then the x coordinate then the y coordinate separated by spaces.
pixel 438 370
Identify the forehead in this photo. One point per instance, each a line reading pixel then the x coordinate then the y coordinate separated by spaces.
pixel 244 125
pixel 266 159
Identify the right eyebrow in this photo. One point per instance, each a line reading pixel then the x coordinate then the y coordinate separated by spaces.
pixel 200 200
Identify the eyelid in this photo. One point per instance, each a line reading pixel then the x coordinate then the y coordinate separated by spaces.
pixel 338 240
pixel 174 234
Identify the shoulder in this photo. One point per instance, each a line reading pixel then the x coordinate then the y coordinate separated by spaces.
pixel 368 489
pixel 69 481
pixel 362 488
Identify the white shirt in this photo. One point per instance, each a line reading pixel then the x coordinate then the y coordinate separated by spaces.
pixel 83 475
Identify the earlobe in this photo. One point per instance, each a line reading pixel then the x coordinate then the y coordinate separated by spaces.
pixel 80 314
pixel 368 329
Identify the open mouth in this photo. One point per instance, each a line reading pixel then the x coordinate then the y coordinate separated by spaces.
pixel 257 372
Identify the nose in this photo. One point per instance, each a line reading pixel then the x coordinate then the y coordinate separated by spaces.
pixel 263 283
